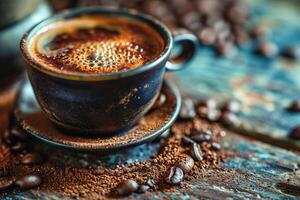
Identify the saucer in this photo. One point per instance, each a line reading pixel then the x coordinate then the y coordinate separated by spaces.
pixel 156 122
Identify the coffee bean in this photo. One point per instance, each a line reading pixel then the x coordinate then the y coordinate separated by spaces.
pixel 208 103
pixel 186 164
pixel 18 147
pixel 201 136
pixel 236 13
pixel 267 49
pixel 187 141
pixel 295 133
pixel 224 48
pixel 7 137
pixel 231 106
pixel 32 158
pixel 292 53
pixel 216 146
pixel 207 36
pixel 175 176
pixel 240 36
pixel 143 188
pixel 18 134
pixel 228 119
pixel 182 7
pixel 127 187
pixel 28 182
pixel 209 114
pixel 196 152
pixel 6 183
pixel 259 31
pixel 161 99
pixel 220 26
pixel 191 21
pixel 150 182
pixel 294 106
pixel 188 109
pixel 207 7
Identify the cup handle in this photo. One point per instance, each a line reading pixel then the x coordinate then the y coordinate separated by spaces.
pixel 188 42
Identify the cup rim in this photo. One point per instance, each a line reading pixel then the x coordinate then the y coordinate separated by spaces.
pixel 81 76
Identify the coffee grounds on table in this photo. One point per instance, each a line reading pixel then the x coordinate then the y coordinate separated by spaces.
pixel 61 178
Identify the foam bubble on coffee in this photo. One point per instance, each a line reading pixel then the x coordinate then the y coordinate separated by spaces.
pixel 108 44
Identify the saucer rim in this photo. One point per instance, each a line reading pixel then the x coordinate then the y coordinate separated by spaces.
pixel 145 139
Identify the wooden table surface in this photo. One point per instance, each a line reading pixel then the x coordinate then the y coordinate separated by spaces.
pixel 264 87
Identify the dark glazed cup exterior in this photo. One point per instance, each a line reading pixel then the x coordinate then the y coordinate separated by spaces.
pixel 101 103
pixel 97 106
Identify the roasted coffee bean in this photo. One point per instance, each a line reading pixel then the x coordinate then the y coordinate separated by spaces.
pixel 292 53
pixel 228 119
pixel 150 182
pixel 188 109
pixel 207 36
pixel 259 31
pixel 6 183
pixel 209 114
pixel 220 26
pixel 32 158
pixel 160 101
pixel 187 141
pixel 186 164
pixel 191 21
pixel 7 137
pixel 196 152
pixel 18 147
pixel 294 106
pixel 175 176
pixel 208 7
pixel 182 7
pixel 143 188
pixel 224 48
pixel 127 187
pixel 201 136
pixel 236 13
pixel 18 134
pixel 28 182
pixel 216 146
pixel 267 49
pixel 295 133
pixel 240 36
pixel 231 106
pixel 208 103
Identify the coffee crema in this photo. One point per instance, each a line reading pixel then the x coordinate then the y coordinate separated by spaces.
pixel 96 44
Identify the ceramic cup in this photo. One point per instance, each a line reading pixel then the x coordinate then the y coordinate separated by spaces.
pixel 104 104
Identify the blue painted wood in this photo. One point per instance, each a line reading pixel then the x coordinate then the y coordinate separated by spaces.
pixel 264 86
pixel 257 171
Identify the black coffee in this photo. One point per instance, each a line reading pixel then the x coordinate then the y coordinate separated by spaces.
pixel 96 44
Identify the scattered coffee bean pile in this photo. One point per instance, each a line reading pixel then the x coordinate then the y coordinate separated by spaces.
pixel 213 111
pixel 222 25
pixel 192 146
pixel 14 143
